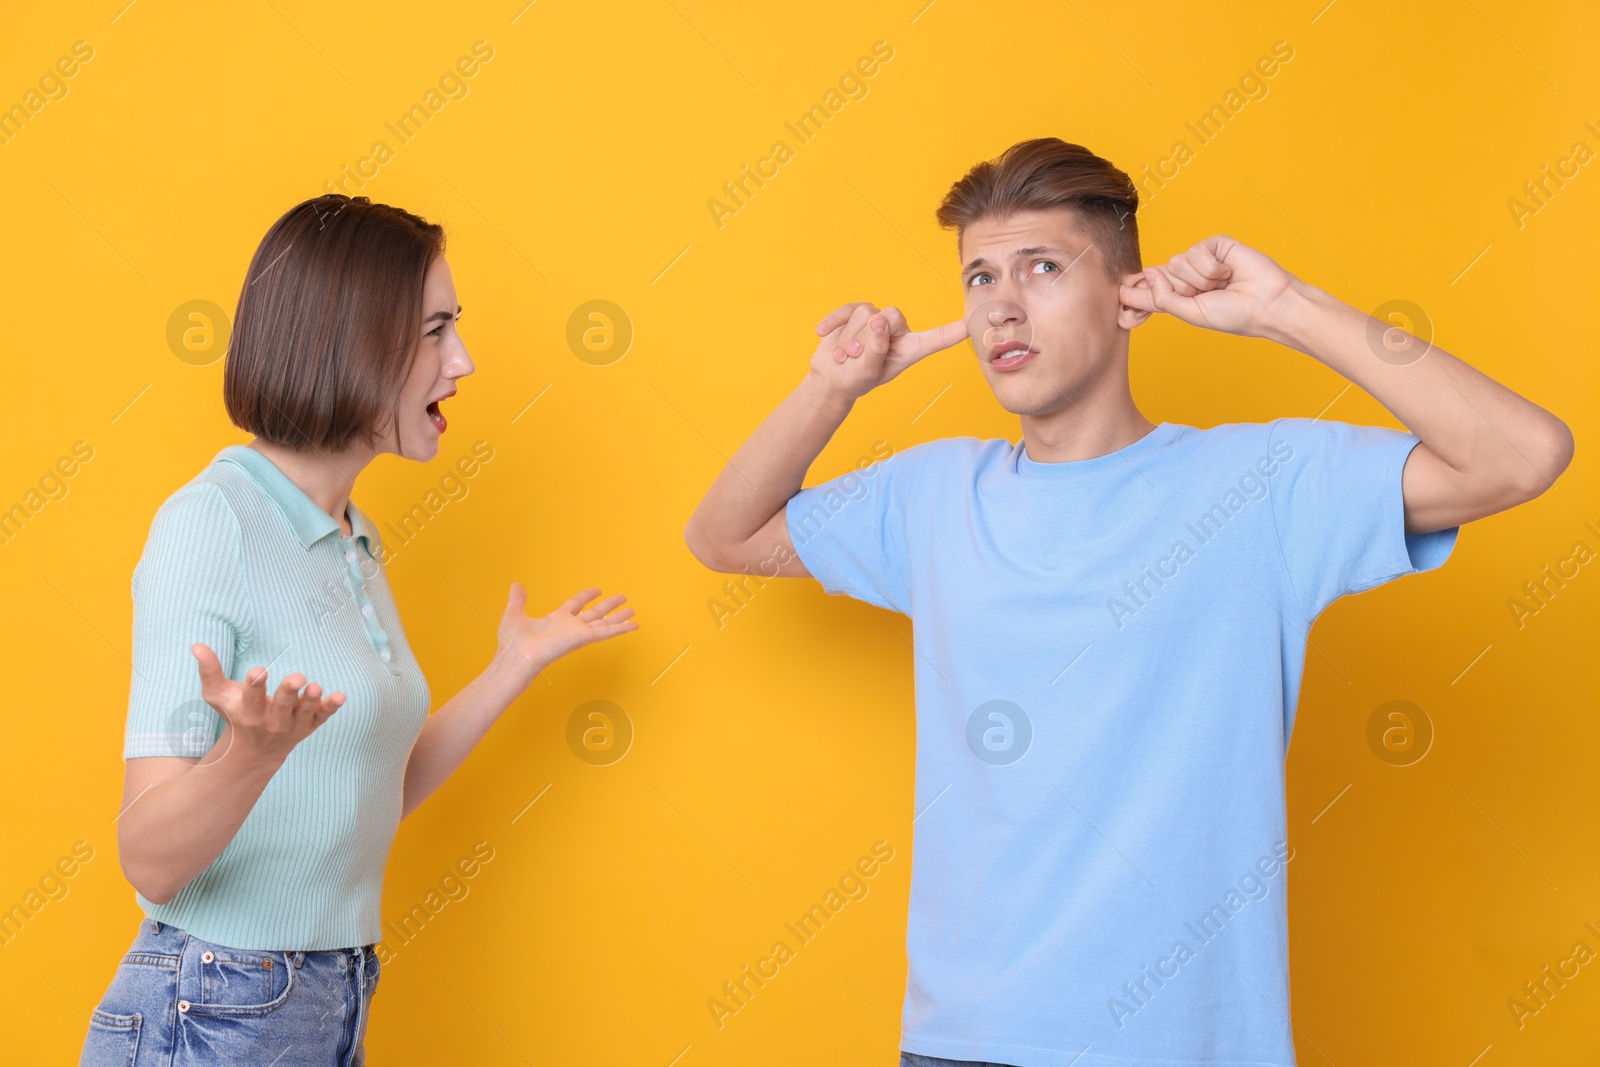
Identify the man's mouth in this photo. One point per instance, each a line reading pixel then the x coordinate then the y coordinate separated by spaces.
pixel 435 416
pixel 1010 355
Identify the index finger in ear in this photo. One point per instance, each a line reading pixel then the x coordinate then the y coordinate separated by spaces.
pixel 1139 298
pixel 937 339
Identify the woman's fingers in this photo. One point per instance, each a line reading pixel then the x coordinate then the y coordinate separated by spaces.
pixel 328 705
pixel 315 707
pixel 575 603
pixel 600 608
pixel 287 695
pixel 612 629
pixel 212 679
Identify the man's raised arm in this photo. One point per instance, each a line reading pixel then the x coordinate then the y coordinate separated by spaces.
pixel 741 525
pixel 1484 448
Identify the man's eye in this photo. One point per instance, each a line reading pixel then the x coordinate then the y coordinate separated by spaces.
pixel 1054 267
pixel 976 278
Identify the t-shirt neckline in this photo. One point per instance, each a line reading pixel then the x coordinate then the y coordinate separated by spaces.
pixel 1163 434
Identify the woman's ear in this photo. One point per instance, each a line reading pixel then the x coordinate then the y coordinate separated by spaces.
pixel 1128 316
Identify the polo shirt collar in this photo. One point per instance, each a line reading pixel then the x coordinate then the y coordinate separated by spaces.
pixel 308 521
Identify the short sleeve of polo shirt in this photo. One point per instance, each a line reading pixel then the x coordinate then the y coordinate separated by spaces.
pixel 1340 513
pixel 188 588
pixel 851 532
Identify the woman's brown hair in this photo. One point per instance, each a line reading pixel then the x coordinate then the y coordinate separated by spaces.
pixel 1045 173
pixel 328 323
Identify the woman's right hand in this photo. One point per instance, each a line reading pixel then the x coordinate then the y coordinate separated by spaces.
pixel 263 727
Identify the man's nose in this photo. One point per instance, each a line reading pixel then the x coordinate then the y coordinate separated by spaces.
pixel 1003 310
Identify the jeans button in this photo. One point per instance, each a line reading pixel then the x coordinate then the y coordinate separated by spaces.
pixel 207 956
pixel 183 1005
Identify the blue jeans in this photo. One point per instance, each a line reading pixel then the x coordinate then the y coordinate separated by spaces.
pixel 912 1059
pixel 179 1001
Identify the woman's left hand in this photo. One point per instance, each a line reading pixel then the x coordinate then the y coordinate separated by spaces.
pixel 531 643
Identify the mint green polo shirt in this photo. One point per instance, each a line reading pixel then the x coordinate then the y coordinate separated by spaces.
pixel 243 561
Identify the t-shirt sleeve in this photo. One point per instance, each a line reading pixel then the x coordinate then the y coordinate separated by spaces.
pixel 851 532
pixel 188 587
pixel 1340 513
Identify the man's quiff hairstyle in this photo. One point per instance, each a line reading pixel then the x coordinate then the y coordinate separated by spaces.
pixel 328 323
pixel 1047 173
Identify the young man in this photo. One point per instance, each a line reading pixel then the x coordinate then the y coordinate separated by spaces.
pixel 1111 615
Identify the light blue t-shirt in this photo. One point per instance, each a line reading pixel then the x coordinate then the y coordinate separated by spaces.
pixel 1108 654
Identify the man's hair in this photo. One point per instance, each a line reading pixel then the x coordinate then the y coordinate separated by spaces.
pixel 1046 173
pixel 328 323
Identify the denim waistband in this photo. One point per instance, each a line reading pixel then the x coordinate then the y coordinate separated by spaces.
pixel 164 939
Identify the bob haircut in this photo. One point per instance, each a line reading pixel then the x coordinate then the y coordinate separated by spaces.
pixel 327 324
pixel 1047 173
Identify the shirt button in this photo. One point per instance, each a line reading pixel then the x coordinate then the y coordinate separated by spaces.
pixel 366 609
pixel 351 556
pixel 384 655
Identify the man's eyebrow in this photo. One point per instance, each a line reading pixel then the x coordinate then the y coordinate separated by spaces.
pixel 441 315
pixel 1032 250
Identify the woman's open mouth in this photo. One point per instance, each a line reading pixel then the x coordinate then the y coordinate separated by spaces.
pixel 436 416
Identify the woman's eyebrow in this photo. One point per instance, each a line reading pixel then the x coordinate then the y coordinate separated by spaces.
pixel 441 315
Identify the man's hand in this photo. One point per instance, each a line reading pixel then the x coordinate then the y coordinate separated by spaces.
pixel 1219 284
pixel 862 347
pixel 259 725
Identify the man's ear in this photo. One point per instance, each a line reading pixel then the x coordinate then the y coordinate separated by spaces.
pixel 1129 317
